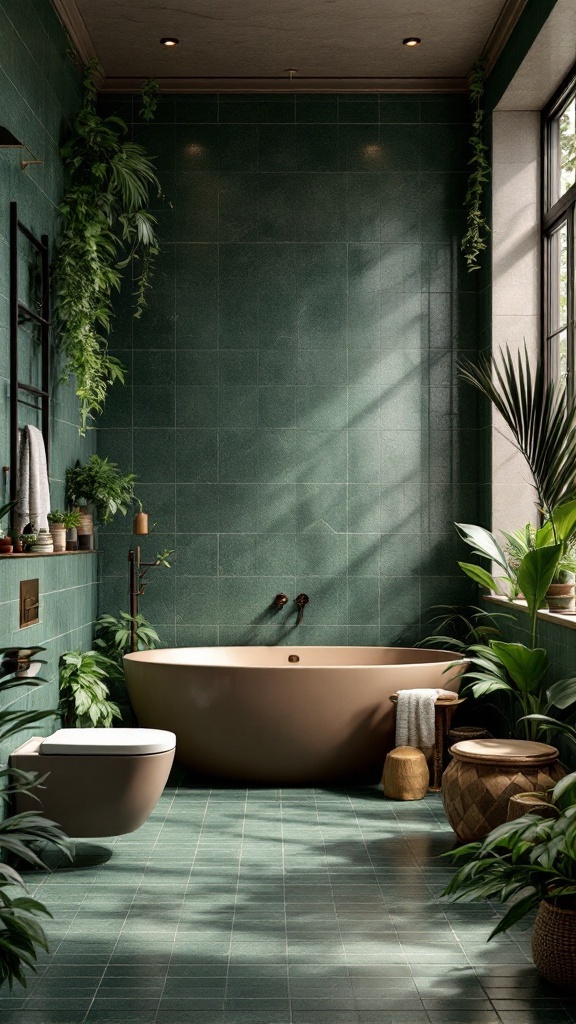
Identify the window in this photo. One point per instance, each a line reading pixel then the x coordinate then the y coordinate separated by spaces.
pixel 559 234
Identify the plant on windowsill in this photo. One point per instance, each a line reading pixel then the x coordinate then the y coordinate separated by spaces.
pixel 525 864
pixel 84 693
pixel 21 935
pixel 105 228
pixel 101 484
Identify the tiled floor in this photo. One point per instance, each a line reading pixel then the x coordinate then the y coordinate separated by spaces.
pixel 261 906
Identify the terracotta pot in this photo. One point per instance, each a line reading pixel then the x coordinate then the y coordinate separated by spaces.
pixel 6 545
pixel 58 531
pixel 560 598
pixel 86 526
pixel 554 945
pixel 484 774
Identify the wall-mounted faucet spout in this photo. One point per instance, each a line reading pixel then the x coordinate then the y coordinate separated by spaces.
pixel 302 600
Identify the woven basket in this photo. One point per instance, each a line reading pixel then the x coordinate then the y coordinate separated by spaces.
pixel 484 774
pixel 554 945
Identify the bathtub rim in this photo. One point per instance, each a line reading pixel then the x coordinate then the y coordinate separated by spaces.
pixel 144 657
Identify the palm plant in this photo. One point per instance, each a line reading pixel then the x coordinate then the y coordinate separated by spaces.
pixel 21 934
pixel 542 423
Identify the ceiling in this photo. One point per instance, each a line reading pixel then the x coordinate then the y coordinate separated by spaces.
pixel 251 44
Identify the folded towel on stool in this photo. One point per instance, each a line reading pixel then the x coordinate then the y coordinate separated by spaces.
pixel 415 720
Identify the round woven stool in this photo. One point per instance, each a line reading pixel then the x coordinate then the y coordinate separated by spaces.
pixel 484 774
pixel 406 774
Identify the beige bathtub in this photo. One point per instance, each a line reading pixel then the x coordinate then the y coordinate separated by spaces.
pixel 281 714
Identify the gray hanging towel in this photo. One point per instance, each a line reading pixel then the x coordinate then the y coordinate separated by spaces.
pixel 33 489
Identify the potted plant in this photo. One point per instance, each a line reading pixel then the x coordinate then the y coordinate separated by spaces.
pixel 101 484
pixel 560 593
pixel 84 694
pixel 21 835
pixel 529 863
pixel 57 524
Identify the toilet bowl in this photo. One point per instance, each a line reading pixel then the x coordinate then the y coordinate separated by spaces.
pixel 100 782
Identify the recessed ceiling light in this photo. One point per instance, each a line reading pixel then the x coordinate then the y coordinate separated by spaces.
pixel 411 41
pixel 169 41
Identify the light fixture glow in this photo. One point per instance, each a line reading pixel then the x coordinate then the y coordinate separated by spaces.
pixel 169 41
pixel 411 41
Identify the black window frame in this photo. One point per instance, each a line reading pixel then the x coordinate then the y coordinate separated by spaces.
pixel 554 215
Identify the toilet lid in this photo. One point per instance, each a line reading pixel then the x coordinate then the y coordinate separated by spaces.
pixel 108 741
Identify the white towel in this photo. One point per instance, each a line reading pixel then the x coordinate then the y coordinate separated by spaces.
pixel 33 488
pixel 415 718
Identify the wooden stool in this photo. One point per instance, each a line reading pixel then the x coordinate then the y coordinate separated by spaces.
pixel 406 774
pixel 443 713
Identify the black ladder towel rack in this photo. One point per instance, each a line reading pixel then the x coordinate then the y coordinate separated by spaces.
pixel 22 392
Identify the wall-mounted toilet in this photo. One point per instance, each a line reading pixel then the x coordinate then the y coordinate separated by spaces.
pixel 101 782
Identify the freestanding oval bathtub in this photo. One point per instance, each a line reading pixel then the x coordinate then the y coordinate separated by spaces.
pixel 282 714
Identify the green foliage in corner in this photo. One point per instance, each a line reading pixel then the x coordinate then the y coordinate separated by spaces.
pixel 21 934
pixel 474 241
pixel 101 484
pixel 106 227
pixel 84 694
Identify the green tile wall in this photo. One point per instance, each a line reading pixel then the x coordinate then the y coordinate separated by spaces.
pixel 292 409
pixel 38 94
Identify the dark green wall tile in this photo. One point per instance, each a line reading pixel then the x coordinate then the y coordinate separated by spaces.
pixel 354 109
pixel 317 108
pixel 153 406
pixel 196 456
pixel 196 367
pixel 158 140
pixel 196 508
pixel 196 109
pixel 196 199
pixel 300 349
pixel 198 601
pixel 196 554
pixel 257 109
pixel 196 296
pixel 154 455
pixel 196 406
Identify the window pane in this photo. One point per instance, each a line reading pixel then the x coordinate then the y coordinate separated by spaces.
pixel 558 278
pixel 561 358
pixel 567 144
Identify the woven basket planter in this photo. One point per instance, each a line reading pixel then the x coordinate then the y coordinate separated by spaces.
pixel 484 774
pixel 554 945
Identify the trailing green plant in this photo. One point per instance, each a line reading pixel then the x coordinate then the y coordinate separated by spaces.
pixel 100 483
pixel 105 228
pixel 69 519
pixel 84 693
pixel 4 511
pixel 477 229
pixel 21 934
pixel 523 862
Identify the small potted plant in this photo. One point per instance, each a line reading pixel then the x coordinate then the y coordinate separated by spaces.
pixel 101 484
pixel 71 521
pixel 526 864
pixel 57 524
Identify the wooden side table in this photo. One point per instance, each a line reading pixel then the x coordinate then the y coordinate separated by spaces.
pixel 443 714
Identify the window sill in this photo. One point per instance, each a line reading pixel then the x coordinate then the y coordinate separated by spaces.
pixel 567 620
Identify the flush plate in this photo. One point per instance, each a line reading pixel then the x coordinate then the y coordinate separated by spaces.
pixel 29 603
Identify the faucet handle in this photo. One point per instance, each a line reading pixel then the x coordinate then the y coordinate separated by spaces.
pixel 280 600
pixel 302 599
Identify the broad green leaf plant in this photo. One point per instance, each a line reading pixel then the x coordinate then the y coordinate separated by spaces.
pixel 84 693
pixel 21 934
pixel 106 227
pixel 523 862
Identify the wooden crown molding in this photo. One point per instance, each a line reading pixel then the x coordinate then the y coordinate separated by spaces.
pixel 500 34
pixel 75 26
pixel 297 85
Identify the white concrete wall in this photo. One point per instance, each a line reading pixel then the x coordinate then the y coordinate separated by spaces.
pixel 515 290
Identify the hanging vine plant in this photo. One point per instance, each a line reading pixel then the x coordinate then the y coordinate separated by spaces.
pixel 477 229
pixel 105 228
